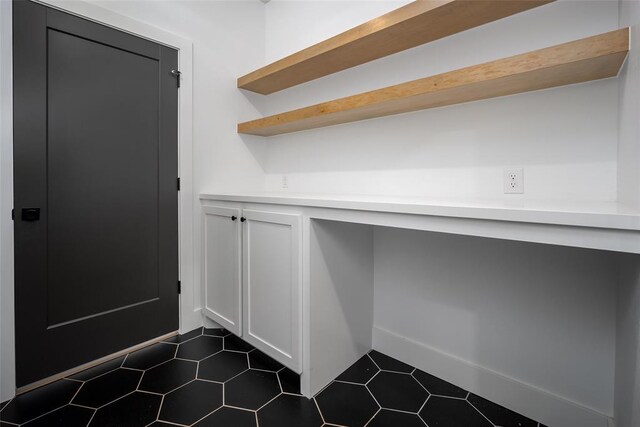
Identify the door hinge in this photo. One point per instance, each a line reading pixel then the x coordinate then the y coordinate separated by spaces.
pixel 176 74
pixel 179 287
pixel 13 214
pixel 178 184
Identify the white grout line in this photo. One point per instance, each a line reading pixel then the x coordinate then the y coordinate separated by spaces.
pixel 91 418
pixel 160 408
pixel 76 393
pixel 39 416
pixel 82 406
pixel 237 407
pixel 237 375
pixel 186 360
pixel 237 351
pixel 348 382
pixel 140 380
pixel 170 422
pixel 210 413
pixel 371 419
pixel 421 385
pixel 319 411
pixel 397 372
pixel 371 379
pixel 180 386
pixel 371 358
pixel 208 381
pixel 403 411
pixel 374 398
pixel 478 410
pixel 448 397
pixel 263 370
pixel 423 405
pixel 128 369
pixel 278 395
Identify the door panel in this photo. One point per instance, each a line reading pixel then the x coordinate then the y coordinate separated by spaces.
pixel 102 178
pixel 95 149
pixel 272 284
pixel 222 241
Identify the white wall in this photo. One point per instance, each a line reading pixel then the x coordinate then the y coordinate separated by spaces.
pixel 565 138
pixel 540 315
pixel 629 111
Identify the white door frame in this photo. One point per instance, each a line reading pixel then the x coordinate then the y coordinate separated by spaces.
pixel 190 316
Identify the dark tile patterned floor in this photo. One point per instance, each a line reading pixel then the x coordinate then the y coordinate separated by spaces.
pixel 210 378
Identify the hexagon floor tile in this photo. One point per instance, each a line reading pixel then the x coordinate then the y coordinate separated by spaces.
pixel 136 409
pixel 289 411
pixel 251 389
pixel 199 348
pixel 67 416
pixel 107 388
pixel 151 356
pixel 435 385
pixel 446 412
pixel 223 366
pixel 191 402
pixel 210 377
pixel 388 418
pixel 347 404
pixel 168 376
pixel 360 372
pixel 38 402
pixel 231 417
pixel 398 391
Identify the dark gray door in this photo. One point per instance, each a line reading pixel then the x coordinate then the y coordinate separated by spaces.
pixel 96 215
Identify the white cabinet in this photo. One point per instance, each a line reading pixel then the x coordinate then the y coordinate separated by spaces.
pixel 253 278
pixel 222 266
pixel 272 282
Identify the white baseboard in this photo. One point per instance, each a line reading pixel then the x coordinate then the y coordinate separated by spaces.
pixel 533 402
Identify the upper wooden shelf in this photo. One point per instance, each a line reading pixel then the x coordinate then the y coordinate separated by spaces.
pixel 412 25
pixel 583 60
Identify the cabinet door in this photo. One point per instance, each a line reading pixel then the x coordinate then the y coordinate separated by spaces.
pixel 222 274
pixel 272 282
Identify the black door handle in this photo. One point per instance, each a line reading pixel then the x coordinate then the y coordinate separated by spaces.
pixel 30 214
pixel 233 218
pixel 243 219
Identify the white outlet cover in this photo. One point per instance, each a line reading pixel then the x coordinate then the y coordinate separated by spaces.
pixel 513 181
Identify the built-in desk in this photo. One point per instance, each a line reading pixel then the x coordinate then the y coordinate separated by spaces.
pixel 595 225
pixel 293 273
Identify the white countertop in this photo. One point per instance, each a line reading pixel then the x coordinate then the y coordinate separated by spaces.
pixel 608 215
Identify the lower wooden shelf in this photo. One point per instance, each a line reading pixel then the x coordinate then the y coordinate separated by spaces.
pixel 592 58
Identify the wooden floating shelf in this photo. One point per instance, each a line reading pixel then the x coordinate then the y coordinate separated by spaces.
pixel 417 23
pixel 579 61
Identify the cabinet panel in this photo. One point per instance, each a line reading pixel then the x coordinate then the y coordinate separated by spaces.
pixel 272 284
pixel 222 267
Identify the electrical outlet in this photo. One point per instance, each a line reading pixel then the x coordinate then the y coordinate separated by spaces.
pixel 285 181
pixel 513 181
